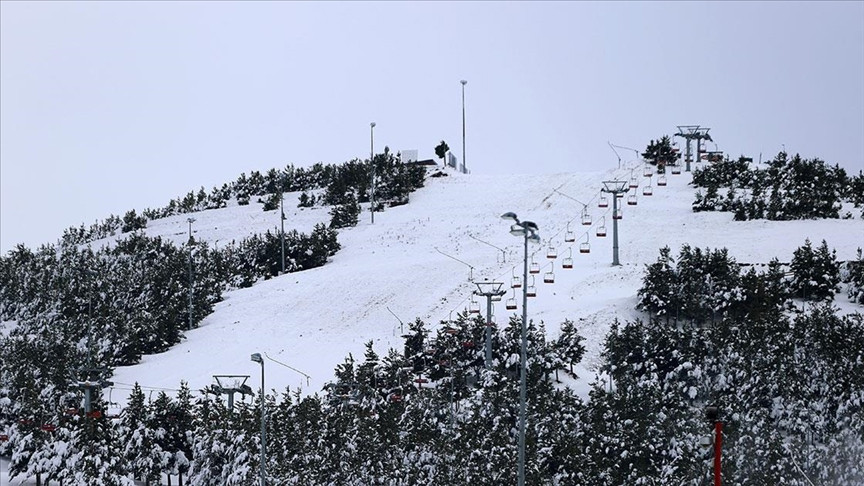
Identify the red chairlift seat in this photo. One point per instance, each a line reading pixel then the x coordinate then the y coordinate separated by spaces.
pixel 551 253
pixel 631 200
pixel 549 277
pixel 661 181
pixel 568 263
pixel 534 268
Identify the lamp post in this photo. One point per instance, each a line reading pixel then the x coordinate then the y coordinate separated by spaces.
pixel 256 357
pixel 529 231
pixel 464 162
pixel 490 290
pixel 615 187
pixel 372 162
pixel 190 220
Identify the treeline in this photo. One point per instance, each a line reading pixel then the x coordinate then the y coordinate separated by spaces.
pixel 787 189
pixel 343 184
pixel 789 387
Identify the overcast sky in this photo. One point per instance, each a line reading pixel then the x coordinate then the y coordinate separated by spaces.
pixel 109 106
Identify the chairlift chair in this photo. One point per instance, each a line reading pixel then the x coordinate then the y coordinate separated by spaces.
pixel 631 200
pixel 531 291
pixel 551 253
pixel 569 236
pixel 585 247
pixel 661 181
pixel 511 302
pixel 601 230
pixel 603 202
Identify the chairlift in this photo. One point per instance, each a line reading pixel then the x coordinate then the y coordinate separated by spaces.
pixel 534 267
pixel 619 214
pixel 551 253
pixel 511 302
pixel 648 190
pixel 601 230
pixel 531 291
pixel 631 200
pixel 603 202
pixel 516 282
pixel 549 277
pixel 661 181
pixel 585 247
pixel 569 236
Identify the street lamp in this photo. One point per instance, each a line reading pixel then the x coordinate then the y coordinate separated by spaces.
pixel 464 162
pixel 372 161
pixel 528 230
pixel 615 187
pixel 256 357
pixel 489 290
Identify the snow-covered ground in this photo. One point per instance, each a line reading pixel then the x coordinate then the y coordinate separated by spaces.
pixel 311 320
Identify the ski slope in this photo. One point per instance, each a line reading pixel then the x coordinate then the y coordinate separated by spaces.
pixel 311 320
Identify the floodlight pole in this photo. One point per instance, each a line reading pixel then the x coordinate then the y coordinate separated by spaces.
pixel 615 187
pixel 258 359
pixel 494 290
pixel 464 162
pixel 190 220
pixel 372 162
pixel 528 230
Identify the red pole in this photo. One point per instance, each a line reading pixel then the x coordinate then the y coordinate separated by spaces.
pixel 718 443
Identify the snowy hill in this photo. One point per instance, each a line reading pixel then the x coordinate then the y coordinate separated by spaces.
pixel 312 319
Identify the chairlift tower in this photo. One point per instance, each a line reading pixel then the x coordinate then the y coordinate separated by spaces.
pixel 689 133
pixel 490 290
pixel 615 188
pixel 231 384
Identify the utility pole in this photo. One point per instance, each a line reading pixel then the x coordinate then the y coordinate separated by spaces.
pixel 190 220
pixel 372 162
pixel 464 162
pixel 490 290
pixel 615 188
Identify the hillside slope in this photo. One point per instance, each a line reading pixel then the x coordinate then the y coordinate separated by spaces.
pixel 311 320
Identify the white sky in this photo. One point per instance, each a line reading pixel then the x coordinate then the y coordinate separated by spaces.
pixel 109 106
